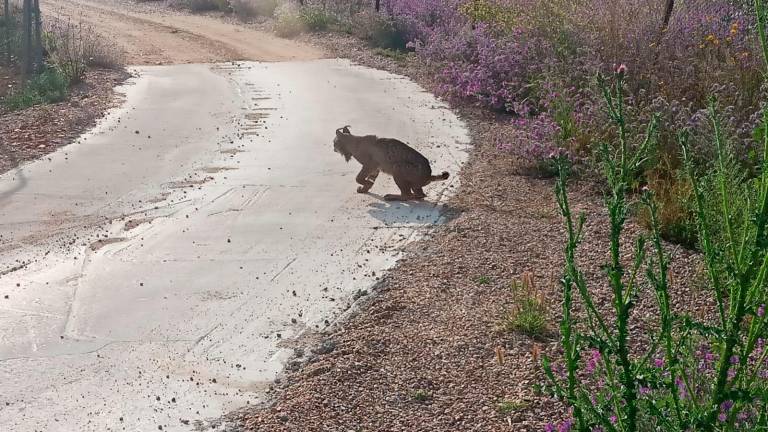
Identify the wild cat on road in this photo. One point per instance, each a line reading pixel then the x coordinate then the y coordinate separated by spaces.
pixel 408 167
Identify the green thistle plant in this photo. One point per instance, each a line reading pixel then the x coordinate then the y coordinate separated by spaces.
pixel 690 375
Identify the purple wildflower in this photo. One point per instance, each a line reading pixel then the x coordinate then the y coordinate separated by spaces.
pixel 681 387
pixel 726 405
pixel 592 362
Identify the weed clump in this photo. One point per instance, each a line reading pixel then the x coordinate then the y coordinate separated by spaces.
pixel 530 315
pixel 48 87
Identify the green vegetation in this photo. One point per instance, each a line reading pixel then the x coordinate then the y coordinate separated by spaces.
pixel 690 374
pixel 48 87
pixel 420 395
pixel 506 407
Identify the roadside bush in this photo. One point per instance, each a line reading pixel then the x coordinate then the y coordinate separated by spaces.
pixel 341 8
pixel 254 8
pixel 10 35
pixel 389 33
pixel 288 22
pixel 533 141
pixel 48 87
pixel 100 52
pixel 360 24
pixel 315 19
pixel 73 47
pixel 203 5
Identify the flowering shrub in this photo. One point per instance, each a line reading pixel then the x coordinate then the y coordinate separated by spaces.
pixel 510 55
pixel 497 72
pixel 534 141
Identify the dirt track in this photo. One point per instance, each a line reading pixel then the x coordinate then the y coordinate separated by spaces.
pixel 162 38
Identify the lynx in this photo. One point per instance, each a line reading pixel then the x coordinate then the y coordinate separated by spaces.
pixel 408 167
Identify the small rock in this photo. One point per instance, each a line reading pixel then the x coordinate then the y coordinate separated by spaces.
pixel 326 347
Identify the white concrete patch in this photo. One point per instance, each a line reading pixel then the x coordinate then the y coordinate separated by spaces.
pixel 153 268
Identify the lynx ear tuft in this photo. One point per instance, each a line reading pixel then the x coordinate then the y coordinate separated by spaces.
pixel 343 131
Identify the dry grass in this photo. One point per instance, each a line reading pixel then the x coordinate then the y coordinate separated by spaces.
pixel 288 22
pixel 74 46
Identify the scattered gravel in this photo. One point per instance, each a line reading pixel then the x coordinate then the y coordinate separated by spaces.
pixel 37 131
pixel 421 354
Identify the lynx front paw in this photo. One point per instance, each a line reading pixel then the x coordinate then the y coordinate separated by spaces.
pixel 362 189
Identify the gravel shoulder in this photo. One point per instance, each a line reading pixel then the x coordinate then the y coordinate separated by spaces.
pixel 422 353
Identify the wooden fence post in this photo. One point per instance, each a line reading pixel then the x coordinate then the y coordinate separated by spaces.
pixel 26 40
pixel 38 39
pixel 8 45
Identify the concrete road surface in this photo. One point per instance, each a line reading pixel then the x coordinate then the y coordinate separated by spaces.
pixel 154 273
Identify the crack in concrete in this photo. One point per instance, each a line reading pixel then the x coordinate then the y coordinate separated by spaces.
pixel 202 338
pixel 283 269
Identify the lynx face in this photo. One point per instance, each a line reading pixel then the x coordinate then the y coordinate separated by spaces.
pixel 341 149
pixel 338 143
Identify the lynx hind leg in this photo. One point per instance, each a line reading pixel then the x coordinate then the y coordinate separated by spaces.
pixel 373 175
pixel 405 191
pixel 364 179
pixel 418 193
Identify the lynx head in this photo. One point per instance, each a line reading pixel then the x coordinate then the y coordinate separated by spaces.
pixel 340 142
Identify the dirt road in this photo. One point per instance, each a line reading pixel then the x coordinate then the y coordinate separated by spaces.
pixel 168 38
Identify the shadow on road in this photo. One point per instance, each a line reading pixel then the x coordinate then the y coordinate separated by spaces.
pixel 19 182
pixel 405 212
